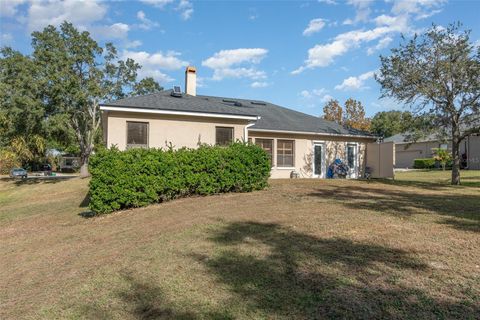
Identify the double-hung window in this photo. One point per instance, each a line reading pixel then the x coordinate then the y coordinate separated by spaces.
pixel 223 136
pixel 137 134
pixel 267 146
pixel 285 153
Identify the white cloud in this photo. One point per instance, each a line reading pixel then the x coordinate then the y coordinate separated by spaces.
pixel 416 7
pixel 259 84
pixel 355 83
pixel 186 9
pixel 146 24
pixel 362 9
pixel 322 55
pixel 115 31
pixel 315 95
pixel 236 63
pixel 81 13
pixel 315 25
pixel 8 8
pixel 157 3
pixel 5 38
pixel 328 1
pixel 154 64
pixel 382 44
pixel 133 44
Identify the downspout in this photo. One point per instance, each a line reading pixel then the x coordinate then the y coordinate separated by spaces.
pixel 245 130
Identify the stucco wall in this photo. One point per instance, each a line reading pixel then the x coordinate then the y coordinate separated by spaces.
pixel 474 152
pixel 181 131
pixel 405 154
pixel 335 147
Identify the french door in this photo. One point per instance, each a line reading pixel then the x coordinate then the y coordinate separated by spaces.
pixel 319 160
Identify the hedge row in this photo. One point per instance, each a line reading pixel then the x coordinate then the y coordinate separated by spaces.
pixel 424 163
pixel 138 177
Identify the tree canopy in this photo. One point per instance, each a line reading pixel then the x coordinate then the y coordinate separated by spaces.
pixel 352 116
pixel 55 93
pixel 437 74
pixel 389 123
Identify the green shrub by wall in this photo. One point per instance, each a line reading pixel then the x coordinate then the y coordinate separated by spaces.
pixel 424 163
pixel 138 177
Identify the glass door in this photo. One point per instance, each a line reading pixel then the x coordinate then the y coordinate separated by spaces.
pixel 352 160
pixel 318 160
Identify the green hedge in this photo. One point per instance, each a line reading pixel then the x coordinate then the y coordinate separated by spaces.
pixel 424 163
pixel 138 177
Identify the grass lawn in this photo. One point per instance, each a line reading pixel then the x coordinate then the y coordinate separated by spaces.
pixel 301 249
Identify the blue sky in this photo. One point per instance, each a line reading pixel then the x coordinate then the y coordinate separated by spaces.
pixel 297 54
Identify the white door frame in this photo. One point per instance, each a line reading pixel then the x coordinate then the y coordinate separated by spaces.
pixel 353 172
pixel 323 169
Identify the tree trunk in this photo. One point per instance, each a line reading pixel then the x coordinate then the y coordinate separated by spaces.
pixel 84 165
pixel 456 160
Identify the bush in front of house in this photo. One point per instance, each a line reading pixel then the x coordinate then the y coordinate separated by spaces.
pixel 138 177
pixel 424 163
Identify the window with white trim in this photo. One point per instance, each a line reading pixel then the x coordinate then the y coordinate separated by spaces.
pixel 285 153
pixel 267 146
pixel 223 136
pixel 137 134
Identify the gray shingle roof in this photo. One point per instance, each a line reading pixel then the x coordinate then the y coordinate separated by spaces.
pixel 272 117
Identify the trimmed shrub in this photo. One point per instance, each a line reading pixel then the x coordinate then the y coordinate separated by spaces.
pixel 138 177
pixel 424 163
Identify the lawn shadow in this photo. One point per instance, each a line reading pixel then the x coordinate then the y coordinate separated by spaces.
pixel 403 203
pixel 143 299
pixel 41 180
pixel 286 274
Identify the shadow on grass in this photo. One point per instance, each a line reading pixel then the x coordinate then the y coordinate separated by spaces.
pixel 41 180
pixel 142 299
pixel 404 203
pixel 281 273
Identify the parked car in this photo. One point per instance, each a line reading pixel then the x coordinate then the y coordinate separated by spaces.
pixel 18 172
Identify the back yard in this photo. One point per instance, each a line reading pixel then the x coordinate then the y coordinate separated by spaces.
pixel 300 249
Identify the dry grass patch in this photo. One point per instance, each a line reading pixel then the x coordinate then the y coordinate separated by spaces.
pixel 301 249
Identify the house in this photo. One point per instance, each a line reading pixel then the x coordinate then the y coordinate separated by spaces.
pixel 298 143
pixel 407 151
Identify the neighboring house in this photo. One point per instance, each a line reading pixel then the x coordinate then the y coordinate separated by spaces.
pixel 296 142
pixel 407 151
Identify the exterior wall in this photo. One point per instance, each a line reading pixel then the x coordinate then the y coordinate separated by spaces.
pixel 473 145
pixel 335 147
pixel 405 154
pixel 180 131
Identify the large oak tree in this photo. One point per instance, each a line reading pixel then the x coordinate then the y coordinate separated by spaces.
pixel 438 75
pixel 78 74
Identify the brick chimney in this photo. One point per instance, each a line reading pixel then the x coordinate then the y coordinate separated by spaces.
pixel 191 81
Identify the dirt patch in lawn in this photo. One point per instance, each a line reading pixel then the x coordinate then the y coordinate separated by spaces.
pixel 301 249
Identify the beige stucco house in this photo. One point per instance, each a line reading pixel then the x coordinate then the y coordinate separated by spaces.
pixel 297 142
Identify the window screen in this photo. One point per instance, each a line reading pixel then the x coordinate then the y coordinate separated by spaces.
pixel 137 134
pixel 285 153
pixel 224 136
pixel 267 145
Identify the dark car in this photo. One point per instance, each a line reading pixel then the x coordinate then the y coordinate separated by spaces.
pixel 18 173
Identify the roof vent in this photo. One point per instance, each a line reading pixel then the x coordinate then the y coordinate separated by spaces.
pixel 176 92
pixel 228 100
pixel 260 103
pixel 237 104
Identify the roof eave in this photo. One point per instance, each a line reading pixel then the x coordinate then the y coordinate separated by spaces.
pixel 105 107
pixel 313 133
